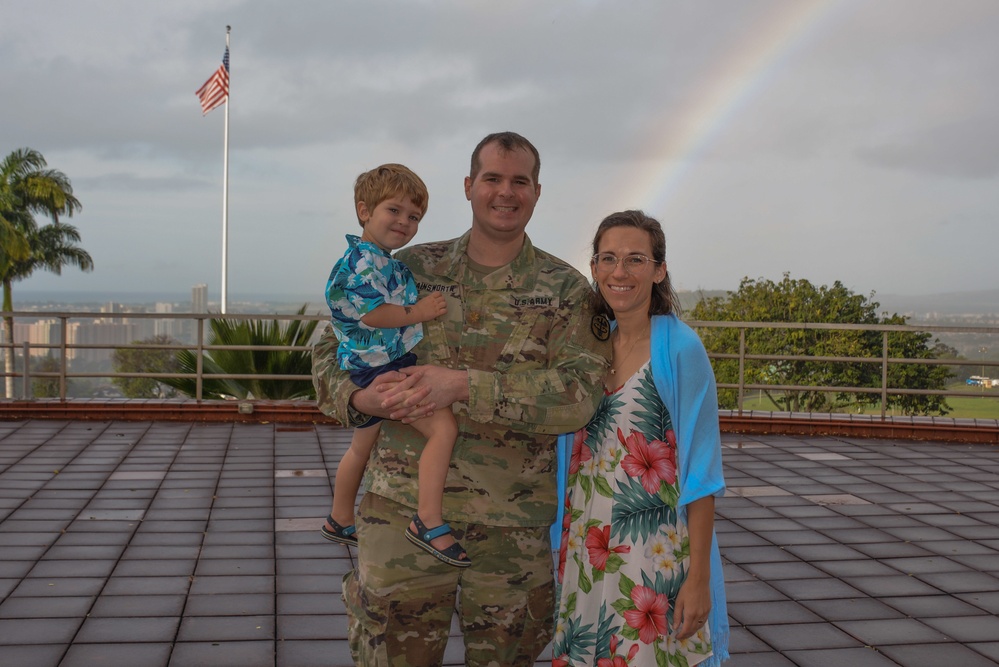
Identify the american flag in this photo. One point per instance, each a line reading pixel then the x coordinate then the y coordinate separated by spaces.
pixel 215 92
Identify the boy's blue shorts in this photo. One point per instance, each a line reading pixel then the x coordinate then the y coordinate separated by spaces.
pixel 365 376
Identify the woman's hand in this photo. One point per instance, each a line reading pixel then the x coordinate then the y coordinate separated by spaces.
pixel 693 603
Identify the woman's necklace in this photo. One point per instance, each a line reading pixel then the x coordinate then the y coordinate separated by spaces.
pixel 644 336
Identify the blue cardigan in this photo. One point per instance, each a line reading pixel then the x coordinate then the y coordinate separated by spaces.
pixel 685 381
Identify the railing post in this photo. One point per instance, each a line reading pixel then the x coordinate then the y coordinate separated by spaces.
pixel 200 357
pixel 63 356
pixel 26 389
pixel 742 367
pixel 884 374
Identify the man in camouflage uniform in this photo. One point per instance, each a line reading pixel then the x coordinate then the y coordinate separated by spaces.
pixel 519 357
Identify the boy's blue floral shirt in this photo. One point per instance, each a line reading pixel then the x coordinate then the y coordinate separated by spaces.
pixel 365 278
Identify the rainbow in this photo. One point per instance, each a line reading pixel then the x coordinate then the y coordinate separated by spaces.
pixel 741 75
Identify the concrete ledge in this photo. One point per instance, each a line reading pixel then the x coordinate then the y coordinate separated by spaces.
pixel 187 410
pixel 984 431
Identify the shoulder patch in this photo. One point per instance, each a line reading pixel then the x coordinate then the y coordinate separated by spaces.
pixel 600 326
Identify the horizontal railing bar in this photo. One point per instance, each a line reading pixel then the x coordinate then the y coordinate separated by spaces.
pixel 98 315
pixel 846 326
pixel 66 350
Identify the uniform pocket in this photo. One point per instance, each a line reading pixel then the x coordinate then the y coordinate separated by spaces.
pixel 434 348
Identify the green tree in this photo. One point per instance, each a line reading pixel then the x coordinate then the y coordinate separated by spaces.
pixel 147 360
pixel 270 361
pixel 28 188
pixel 45 387
pixel 800 301
pixel 960 373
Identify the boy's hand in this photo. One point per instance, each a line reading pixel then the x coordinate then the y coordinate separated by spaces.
pixel 431 306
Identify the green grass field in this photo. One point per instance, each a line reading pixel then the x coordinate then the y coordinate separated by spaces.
pixel 984 407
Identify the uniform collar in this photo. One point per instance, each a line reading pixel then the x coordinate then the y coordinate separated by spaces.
pixel 518 274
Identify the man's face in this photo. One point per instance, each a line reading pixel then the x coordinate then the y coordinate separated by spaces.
pixel 503 192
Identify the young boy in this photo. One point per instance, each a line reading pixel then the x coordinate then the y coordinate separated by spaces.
pixel 376 317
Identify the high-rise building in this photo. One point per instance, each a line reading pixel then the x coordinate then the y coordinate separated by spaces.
pixel 166 327
pixel 39 335
pixel 98 332
pixel 112 307
pixel 199 298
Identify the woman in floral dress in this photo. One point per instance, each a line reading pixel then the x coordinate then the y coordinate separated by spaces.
pixel 639 570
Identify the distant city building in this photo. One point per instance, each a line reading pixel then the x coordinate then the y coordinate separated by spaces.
pixel 199 298
pixel 166 327
pixel 39 334
pixel 112 308
pixel 98 333
pixel 44 333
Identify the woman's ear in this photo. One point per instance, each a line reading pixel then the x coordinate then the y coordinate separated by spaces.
pixel 661 272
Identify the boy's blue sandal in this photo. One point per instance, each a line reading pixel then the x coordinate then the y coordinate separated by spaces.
pixel 451 555
pixel 339 534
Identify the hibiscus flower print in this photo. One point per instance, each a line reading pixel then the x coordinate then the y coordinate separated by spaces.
pixel 598 547
pixel 652 462
pixel 625 550
pixel 649 614
pixel 566 533
pixel 580 452
pixel 616 660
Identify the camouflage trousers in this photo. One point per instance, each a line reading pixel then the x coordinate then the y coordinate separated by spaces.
pixel 400 600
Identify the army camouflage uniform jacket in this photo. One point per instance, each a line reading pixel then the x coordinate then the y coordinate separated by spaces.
pixel 535 356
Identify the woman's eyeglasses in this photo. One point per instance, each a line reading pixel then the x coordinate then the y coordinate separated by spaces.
pixel 634 263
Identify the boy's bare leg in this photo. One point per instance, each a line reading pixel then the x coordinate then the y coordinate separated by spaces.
pixel 349 474
pixel 440 430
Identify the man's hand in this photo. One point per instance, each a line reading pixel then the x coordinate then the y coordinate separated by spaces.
pixel 412 393
pixel 424 389
pixel 375 399
pixel 446 386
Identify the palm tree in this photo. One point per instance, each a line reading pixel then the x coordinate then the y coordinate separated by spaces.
pixel 27 188
pixel 271 361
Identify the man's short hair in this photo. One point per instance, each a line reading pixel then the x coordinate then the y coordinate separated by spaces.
pixel 508 141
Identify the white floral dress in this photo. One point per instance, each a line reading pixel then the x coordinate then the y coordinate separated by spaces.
pixel 624 553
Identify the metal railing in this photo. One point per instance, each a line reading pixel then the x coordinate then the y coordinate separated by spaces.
pixel 62 351
pixel 884 360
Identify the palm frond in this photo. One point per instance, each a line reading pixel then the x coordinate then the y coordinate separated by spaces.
pixel 266 334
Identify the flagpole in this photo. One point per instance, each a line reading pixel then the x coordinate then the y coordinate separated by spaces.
pixel 225 192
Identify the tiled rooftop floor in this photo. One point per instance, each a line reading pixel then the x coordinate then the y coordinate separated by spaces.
pixel 158 543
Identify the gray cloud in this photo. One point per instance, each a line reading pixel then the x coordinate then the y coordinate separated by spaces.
pixel 750 129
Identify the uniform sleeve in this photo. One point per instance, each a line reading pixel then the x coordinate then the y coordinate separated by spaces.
pixel 560 398
pixel 333 385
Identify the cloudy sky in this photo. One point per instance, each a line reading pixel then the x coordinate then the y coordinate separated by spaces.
pixel 833 139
